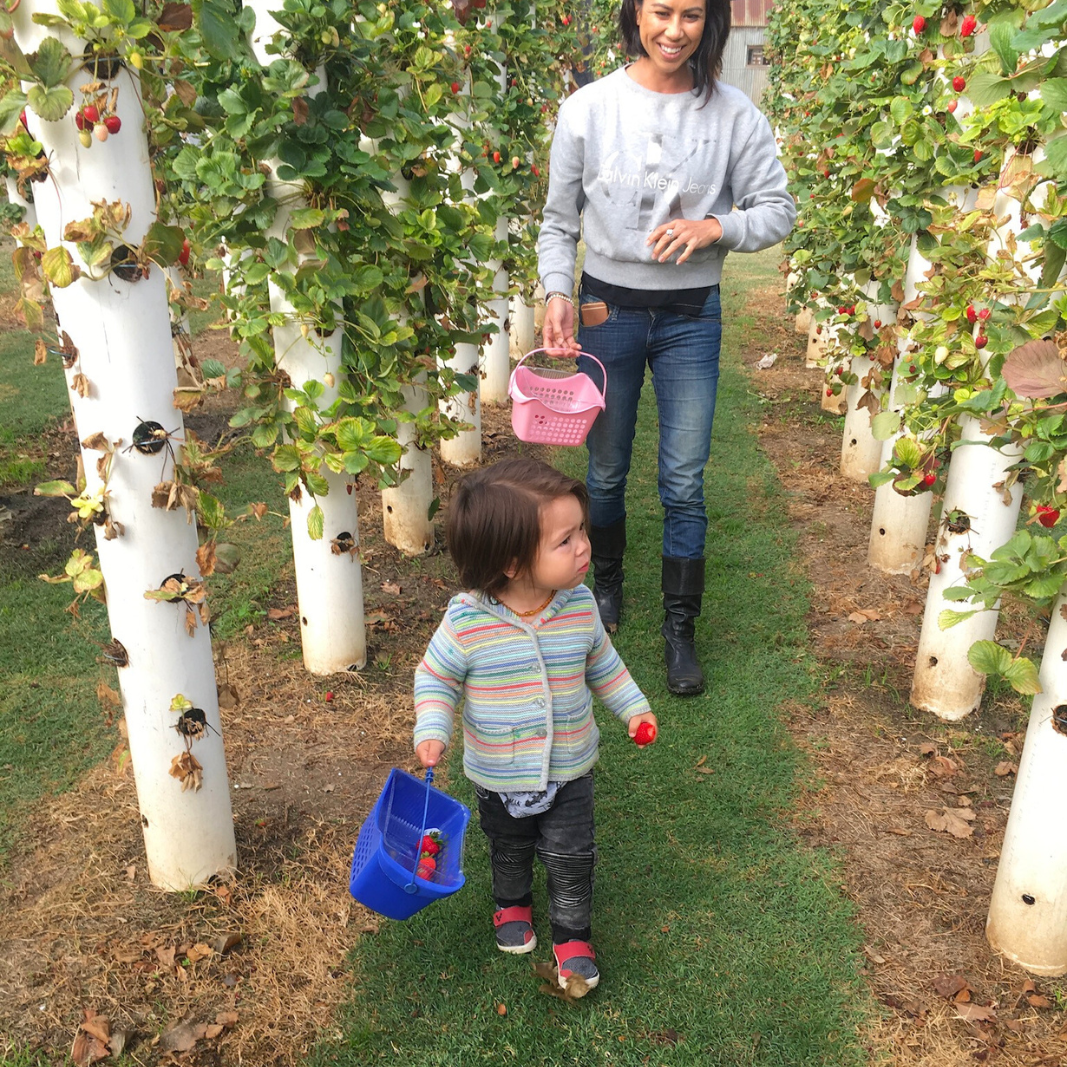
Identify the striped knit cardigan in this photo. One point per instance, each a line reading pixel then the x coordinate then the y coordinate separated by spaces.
pixel 524 690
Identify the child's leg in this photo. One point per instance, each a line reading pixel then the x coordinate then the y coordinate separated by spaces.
pixel 567 848
pixel 511 853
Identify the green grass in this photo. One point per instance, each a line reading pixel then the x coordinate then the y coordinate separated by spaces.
pixel 722 939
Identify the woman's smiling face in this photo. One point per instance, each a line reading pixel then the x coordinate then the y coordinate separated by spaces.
pixel 670 33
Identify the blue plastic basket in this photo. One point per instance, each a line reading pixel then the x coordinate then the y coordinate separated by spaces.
pixel 387 850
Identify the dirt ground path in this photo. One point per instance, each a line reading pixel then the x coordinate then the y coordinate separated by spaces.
pixel 252 971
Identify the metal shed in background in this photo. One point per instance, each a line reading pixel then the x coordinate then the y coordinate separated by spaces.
pixel 743 63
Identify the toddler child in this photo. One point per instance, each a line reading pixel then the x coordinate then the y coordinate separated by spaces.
pixel 519 654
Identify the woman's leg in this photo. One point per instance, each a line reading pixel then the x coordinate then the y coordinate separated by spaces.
pixel 685 375
pixel 620 345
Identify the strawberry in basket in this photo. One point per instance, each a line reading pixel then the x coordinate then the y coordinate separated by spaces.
pixel 429 849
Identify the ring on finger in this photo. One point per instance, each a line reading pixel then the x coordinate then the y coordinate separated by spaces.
pixel 670 233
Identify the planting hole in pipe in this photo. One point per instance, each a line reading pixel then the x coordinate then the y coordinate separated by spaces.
pixel 101 66
pixel 881 531
pixel 303 620
pixel 149 438
pixel 854 442
pixel 1059 718
pixel 343 544
pixel 115 652
pixel 933 661
pixel 192 724
pixel 124 265
pixel 1027 899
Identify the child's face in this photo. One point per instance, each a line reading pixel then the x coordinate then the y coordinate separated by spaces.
pixel 563 555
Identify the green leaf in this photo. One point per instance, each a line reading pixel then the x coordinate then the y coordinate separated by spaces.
pixel 908 452
pixel 163 244
pixel 51 64
pixel 985 88
pixel 286 458
pixel 1056 156
pixel 213 368
pixel 885 424
pixel 1022 674
pixel 11 105
pixel 1054 93
pixel 949 618
pixel 1000 40
pixel 316 523
pixel 59 267
pixel 987 657
pixel 56 488
pixel 51 104
pixel 880 478
pixel 217 28
pixel 307 218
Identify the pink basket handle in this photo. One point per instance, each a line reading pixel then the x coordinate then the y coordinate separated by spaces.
pixel 534 351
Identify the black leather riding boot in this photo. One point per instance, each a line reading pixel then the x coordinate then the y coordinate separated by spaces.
pixel 683 589
pixel 608 545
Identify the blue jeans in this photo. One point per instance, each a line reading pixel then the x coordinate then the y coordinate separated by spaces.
pixel 683 352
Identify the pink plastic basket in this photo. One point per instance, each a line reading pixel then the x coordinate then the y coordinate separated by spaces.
pixel 550 406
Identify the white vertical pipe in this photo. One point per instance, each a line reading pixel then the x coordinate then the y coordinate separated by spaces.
pixel 121 332
pixel 522 327
pixel 1028 910
pixel 944 682
pixel 329 583
pixel 29 215
pixel 465 449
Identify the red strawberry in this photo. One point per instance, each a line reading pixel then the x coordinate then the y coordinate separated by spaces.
pixel 646 734
pixel 977 155
pixel 968 25
pixel 877 324
pixel 183 255
pixel 91 113
pixel 1048 517
pixel 455 88
pixel 829 392
pixel 79 120
pixel 918 24
pixel 113 123
pixel 429 846
pixel 971 313
pixel 536 171
pixel 981 341
pixel 959 83
pixel 952 105
pixel 329 696
pixel 930 478
pixel 984 314
pixel 496 157
pixel 427 865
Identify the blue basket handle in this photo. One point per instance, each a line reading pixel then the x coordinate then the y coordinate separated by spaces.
pixel 589 355
pixel 411 887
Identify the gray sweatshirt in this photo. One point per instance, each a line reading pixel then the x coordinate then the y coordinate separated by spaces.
pixel 625 159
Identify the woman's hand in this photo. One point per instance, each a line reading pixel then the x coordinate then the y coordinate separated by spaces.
pixel 683 236
pixel 429 752
pixel 557 333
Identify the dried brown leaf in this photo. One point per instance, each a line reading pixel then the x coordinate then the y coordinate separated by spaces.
pixel 1035 370
pixel 224 942
pixel 1004 768
pixel 1035 1000
pixel 948 985
pixel 976 1013
pixel 951 821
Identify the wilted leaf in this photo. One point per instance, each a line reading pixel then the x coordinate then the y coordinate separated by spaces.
pixel 391 587
pixel 183 1037
pixel 106 695
pixel 943 767
pixel 280 613
pixel 955 821
pixel 1035 1000
pixel 186 768
pixel 199 952
pixel 1035 369
pixel 1004 768
pixel 928 748
pixel 223 944
pixel 228 697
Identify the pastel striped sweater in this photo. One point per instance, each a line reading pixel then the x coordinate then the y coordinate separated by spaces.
pixel 525 693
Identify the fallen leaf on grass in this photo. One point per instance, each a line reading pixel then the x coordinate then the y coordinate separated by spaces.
pixel 1035 1000
pixel 198 952
pixel 955 821
pixel 898 831
pixel 976 1013
pixel 224 942
pixel 1004 768
pixel 391 587
pixel 864 615
pixel 928 748
pixel 576 987
pixel 704 770
pixel 913 607
pixel 280 613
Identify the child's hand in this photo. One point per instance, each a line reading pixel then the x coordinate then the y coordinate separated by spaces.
pixel 635 724
pixel 429 752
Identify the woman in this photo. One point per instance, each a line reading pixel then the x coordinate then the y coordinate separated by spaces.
pixel 666 170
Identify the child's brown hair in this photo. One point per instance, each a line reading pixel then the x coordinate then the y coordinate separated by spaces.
pixel 494 519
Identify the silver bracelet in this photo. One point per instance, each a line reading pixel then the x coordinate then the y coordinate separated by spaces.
pixel 549 297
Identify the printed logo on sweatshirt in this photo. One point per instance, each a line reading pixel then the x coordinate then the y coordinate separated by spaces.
pixel 664 175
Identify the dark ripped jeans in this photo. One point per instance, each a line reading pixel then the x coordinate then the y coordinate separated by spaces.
pixel 563 839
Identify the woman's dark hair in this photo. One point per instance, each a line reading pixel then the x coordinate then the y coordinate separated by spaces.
pixel 706 61
pixel 494 519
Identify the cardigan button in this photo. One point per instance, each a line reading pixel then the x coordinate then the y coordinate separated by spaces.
pixel 540 702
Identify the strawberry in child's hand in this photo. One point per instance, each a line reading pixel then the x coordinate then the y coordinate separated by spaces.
pixel 429 846
pixel 645 735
